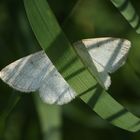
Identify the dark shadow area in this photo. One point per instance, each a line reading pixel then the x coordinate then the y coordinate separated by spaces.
pixel 117 115
pixel 69 64
pixel 58 51
pixel 94 99
pixel 88 90
pixel 75 73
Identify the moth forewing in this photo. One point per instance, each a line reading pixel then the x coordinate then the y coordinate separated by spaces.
pixel 36 72
pixel 26 73
pixel 94 68
pixel 103 56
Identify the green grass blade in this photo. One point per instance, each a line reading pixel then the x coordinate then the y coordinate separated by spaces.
pixel 12 102
pixel 53 41
pixel 50 120
pixel 106 107
pixel 127 10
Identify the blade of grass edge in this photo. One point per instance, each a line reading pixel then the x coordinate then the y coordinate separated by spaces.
pixel 127 10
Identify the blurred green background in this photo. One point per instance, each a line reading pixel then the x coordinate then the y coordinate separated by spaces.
pixel 78 19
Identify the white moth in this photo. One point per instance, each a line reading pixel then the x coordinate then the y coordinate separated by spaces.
pixel 103 56
pixel 36 72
